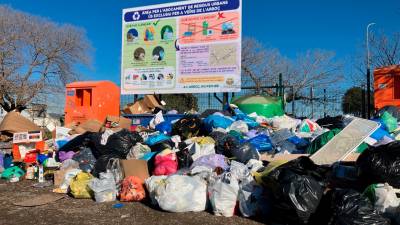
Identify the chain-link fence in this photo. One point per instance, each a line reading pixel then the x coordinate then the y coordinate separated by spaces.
pixel 316 104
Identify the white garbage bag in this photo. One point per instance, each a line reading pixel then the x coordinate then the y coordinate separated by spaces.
pixel 182 194
pixel 114 166
pixel 239 126
pixel 138 151
pixel 104 188
pixel 285 122
pixel 68 178
pixel 254 165
pixel 387 201
pixel 152 183
pixel 249 191
pixel 223 193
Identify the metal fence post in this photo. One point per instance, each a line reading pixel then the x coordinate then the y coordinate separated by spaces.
pixel 225 99
pixel 293 103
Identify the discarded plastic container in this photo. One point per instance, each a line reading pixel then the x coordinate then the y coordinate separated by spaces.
pixel 144 119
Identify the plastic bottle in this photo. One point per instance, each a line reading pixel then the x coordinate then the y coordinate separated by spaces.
pixel 41 177
pixel 30 173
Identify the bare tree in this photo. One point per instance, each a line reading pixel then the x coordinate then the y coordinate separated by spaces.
pixel 36 55
pixel 261 66
pixel 385 49
pixel 315 68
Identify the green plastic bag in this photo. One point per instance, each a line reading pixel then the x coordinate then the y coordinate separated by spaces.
pixel 79 185
pixel 321 140
pixel 389 121
pixel 14 171
pixel 362 148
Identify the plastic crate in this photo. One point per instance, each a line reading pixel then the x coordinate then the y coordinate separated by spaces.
pixel 144 119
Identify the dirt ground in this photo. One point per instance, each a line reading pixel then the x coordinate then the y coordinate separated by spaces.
pixel 86 211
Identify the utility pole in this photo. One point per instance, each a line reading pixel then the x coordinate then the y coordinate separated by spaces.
pixel 293 104
pixel 324 103
pixel 312 102
pixel 281 91
pixel 368 75
pixel 363 111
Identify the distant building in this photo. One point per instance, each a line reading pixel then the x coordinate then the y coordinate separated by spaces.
pixel 38 114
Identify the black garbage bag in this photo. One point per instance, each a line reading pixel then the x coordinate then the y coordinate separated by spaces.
pixel 83 140
pixel 331 122
pixel 381 164
pixel 225 144
pixel 187 127
pixel 209 112
pixel 119 143
pixel 101 164
pixel 185 160
pixel 349 207
pixel 95 144
pixel 161 146
pixel 245 152
pixel 297 188
pixel 85 159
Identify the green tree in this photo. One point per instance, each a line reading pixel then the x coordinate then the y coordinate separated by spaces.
pixel 181 102
pixel 352 101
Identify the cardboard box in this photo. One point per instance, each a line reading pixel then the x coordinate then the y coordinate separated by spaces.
pixel 90 125
pixel 13 122
pixel 138 108
pixel 135 167
pixel 118 122
pixel 151 102
pixel 128 108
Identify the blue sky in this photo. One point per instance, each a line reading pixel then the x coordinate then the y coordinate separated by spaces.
pixel 292 26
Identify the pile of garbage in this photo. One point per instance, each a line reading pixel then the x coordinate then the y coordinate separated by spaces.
pixel 229 163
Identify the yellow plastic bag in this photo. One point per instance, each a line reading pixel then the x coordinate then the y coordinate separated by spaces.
pixel 204 140
pixel 271 166
pixel 79 185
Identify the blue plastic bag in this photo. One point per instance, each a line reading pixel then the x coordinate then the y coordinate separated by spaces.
pixel 41 158
pixel 215 121
pixel 148 156
pixel 248 120
pixel 7 161
pixel 164 127
pixel 262 143
pixel 380 133
pixel 299 142
pixel 155 139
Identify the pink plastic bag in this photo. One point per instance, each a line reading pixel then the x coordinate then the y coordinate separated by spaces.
pixel 165 164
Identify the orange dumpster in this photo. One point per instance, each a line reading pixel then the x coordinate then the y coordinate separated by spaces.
pixel 91 100
pixel 387 86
